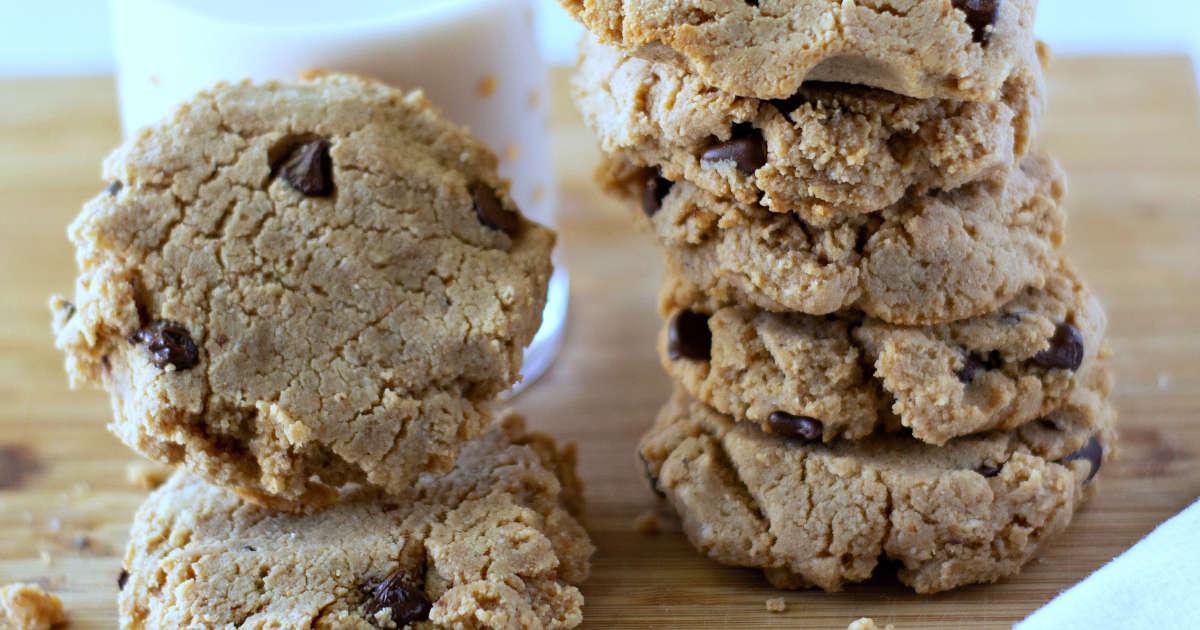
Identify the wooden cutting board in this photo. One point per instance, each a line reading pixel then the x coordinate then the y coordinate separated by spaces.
pixel 1127 131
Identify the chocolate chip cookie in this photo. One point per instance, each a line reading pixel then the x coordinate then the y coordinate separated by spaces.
pixel 827 152
pixel 926 259
pixel 845 376
pixel 823 514
pixel 292 286
pixel 960 49
pixel 492 544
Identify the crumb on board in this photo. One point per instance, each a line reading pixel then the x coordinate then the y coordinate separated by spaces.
pixel 866 623
pixel 487 85
pixel 646 522
pixel 28 607
pixel 146 475
pixel 776 605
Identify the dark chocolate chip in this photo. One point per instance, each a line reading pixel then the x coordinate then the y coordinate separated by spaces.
pixel 652 197
pixel 688 337
pixel 1065 351
pixel 122 578
pixel 752 3
pixel 69 307
pixel 114 188
pixel 309 169
pixel 787 425
pixel 168 344
pixel 981 16
pixel 990 471
pixel 491 213
pixel 972 365
pixel 745 148
pixel 408 603
pixel 651 478
pixel 249 548
pixel 1092 452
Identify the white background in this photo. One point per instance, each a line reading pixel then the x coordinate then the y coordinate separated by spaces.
pixel 40 37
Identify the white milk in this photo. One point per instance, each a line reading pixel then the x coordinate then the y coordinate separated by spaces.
pixel 475 59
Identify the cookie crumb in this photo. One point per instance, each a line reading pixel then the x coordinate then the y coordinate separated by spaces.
pixel 534 99
pixel 512 152
pixel 487 85
pixel 776 605
pixel 28 607
pixel 646 522
pixel 146 475
pixel 866 623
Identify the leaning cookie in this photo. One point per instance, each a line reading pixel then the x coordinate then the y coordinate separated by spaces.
pixel 926 259
pixel 845 376
pixel 291 286
pixel 960 49
pixel 827 152
pixel 816 514
pixel 492 544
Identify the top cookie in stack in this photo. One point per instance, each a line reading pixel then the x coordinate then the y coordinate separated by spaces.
pixel 960 49
pixel 292 286
pixel 862 260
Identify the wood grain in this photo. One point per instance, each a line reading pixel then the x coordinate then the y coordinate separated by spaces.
pixel 1127 131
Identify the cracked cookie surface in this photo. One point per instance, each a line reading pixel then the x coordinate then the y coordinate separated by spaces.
pixel 824 514
pixel 492 544
pixel 829 151
pixel 854 375
pixel 926 259
pixel 765 49
pixel 292 286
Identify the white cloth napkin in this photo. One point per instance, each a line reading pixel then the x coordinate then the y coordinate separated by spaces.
pixel 1154 585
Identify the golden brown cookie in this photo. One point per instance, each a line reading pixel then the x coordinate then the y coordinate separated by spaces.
pixel 845 376
pixel 492 544
pixel 824 514
pixel 291 286
pixel 926 259
pixel 960 49
pixel 828 152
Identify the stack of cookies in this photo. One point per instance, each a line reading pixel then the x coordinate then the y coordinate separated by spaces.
pixel 305 297
pixel 878 351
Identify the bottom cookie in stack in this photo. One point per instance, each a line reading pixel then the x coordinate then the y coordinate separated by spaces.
pixel 824 514
pixel 492 544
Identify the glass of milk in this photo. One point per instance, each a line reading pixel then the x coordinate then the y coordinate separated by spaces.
pixel 475 59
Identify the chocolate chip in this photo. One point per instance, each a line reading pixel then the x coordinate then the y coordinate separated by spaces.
pixel 656 190
pixel 408 603
pixel 168 344
pixel 688 337
pixel 69 307
pixel 309 170
pixel 651 478
pixel 787 425
pixel 122 578
pixel 114 188
pixel 981 16
pixel 972 365
pixel 1092 452
pixel 491 213
pixel 1065 351
pixel 745 148
pixel 990 471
